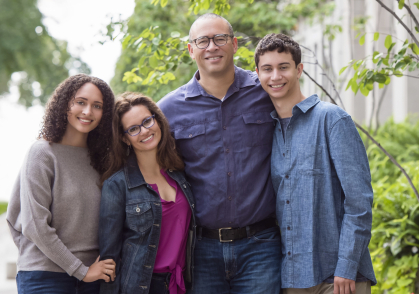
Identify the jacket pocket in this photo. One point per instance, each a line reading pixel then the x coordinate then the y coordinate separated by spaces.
pixel 259 127
pixel 139 216
pixel 191 141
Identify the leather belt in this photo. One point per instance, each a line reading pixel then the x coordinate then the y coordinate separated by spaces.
pixel 230 234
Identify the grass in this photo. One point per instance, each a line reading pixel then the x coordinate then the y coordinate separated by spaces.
pixel 3 207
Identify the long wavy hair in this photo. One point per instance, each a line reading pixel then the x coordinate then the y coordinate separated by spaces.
pixel 167 155
pixel 56 118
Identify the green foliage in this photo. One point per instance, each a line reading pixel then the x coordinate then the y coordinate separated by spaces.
pixel 144 48
pixel 155 59
pixel 27 47
pixel 3 207
pixel 395 234
pixel 385 64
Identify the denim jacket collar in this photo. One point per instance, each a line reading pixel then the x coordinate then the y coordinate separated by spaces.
pixel 241 79
pixel 132 172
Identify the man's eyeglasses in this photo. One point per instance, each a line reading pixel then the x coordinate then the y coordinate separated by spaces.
pixel 219 40
pixel 148 122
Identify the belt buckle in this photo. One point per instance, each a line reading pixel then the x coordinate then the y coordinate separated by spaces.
pixel 219 234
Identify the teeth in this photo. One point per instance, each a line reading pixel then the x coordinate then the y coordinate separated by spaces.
pixel 85 120
pixel 214 58
pixel 277 86
pixel 146 139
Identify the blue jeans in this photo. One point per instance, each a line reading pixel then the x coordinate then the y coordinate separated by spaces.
pixel 250 265
pixel 43 282
pixel 160 283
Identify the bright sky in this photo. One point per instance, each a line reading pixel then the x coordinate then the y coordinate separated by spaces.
pixel 79 22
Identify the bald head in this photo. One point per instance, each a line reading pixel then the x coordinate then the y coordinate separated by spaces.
pixel 205 17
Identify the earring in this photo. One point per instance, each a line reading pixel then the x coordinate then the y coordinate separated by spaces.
pixel 128 150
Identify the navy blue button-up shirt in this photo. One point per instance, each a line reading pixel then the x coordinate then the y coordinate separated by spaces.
pixel 226 147
pixel 322 181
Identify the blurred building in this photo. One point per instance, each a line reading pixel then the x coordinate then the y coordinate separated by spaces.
pixel 398 99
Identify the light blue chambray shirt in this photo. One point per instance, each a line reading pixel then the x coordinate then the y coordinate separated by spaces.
pixel 322 181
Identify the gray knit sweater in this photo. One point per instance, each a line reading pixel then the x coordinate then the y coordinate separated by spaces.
pixel 53 213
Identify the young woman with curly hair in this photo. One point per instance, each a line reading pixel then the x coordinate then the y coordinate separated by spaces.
pixel 146 222
pixel 53 214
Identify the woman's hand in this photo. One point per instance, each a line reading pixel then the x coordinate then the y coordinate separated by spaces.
pixel 104 269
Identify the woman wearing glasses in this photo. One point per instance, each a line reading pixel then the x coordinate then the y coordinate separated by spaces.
pixel 53 214
pixel 146 214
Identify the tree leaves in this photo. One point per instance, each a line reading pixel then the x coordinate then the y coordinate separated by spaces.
pixel 388 41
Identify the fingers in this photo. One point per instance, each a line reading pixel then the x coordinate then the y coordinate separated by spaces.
pixel 343 286
pixel 106 278
pixel 97 259
pixel 336 287
pixel 353 287
pixel 109 261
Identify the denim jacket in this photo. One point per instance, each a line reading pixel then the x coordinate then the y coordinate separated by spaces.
pixel 129 228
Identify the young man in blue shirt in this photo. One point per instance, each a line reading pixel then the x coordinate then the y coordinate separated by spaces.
pixel 223 129
pixel 321 178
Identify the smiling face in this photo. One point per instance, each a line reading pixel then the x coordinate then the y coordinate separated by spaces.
pixel 148 139
pixel 278 75
pixel 214 59
pixel 85 110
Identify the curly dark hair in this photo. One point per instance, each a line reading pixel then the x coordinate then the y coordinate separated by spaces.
pixel 167 155
pixel 280 43
pixel 55 119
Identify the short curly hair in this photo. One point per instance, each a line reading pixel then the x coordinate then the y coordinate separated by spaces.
pixel 280 43
pixel 55 119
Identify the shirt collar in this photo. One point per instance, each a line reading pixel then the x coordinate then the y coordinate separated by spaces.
pixel 304 106
pixel 242 79
pixel 132 172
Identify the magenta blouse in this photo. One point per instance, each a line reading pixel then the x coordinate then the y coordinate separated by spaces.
pixel 171 253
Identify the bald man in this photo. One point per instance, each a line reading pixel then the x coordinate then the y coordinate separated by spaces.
pixel 223 129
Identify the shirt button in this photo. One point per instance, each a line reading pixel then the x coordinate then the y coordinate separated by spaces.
pixel 184 186
pixel 288 228
pixel 137 209
pixel 229 198
pixel 227 150
pixel 224 128
pixel 287 176
pixel 190 135
pixel 170 170
pixel 288 202
pixel 289 252
pixel 283 154
pixel 229 174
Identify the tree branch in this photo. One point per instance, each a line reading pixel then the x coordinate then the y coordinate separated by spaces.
pixel 411 14
pixel 371 138
pixel 400 21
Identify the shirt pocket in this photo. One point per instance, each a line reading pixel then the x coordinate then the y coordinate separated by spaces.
pixel 310 159
pixel 139 216
pixel 258 130
pixel 191 141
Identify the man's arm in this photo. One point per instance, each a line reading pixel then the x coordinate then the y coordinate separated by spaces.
pixel 351 163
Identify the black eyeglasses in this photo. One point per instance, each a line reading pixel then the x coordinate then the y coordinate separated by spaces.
pixel 219 40
pixel 148 122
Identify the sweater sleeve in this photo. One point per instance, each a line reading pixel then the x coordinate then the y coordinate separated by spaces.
pixel 37 180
